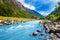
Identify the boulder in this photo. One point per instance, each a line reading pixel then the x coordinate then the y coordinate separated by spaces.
pixel 39 31
pixel 42 35
pixel 35 33
pixel 58 35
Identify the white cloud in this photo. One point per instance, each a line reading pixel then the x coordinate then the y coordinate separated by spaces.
pixel 52 8
pixel 22 1
pixel 27 5
pixel 45 13
pixel 55 0
pixel 47 1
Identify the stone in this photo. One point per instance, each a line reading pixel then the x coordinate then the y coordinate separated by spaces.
pixel 1 24
pixel 42 35
pixel 35 33
pixel 38 30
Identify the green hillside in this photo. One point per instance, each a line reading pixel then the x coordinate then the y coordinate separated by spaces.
pixel 55 16
pixel 9 8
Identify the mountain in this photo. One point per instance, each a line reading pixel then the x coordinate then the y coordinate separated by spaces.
pixel 53 12
pixel 12 8
pixel 34 13
pixel 21 6
pixel 55 15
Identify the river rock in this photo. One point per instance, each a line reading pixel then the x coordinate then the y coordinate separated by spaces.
pixel 58 35
pixel 42 35
pixel 39 31
pixel 35 33
pixel 1 24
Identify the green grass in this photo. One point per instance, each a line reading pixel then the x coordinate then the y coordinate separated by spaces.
pixel 13 18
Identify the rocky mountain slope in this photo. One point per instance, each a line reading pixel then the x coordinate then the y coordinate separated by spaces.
pixel 12 8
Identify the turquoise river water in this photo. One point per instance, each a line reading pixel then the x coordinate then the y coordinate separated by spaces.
pixel 21 31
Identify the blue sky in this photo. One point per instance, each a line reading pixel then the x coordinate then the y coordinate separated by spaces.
pixel 44 7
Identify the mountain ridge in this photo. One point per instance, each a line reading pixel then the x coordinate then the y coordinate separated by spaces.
pixel 34 13
pixel 16 9
pixel 12 8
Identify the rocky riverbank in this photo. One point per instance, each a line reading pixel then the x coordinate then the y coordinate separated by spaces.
pixel 51 27
pixel 8 22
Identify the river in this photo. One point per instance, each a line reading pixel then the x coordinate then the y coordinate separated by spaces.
pixel 22 31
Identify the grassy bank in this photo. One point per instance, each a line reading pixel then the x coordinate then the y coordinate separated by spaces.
pixel 13 18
